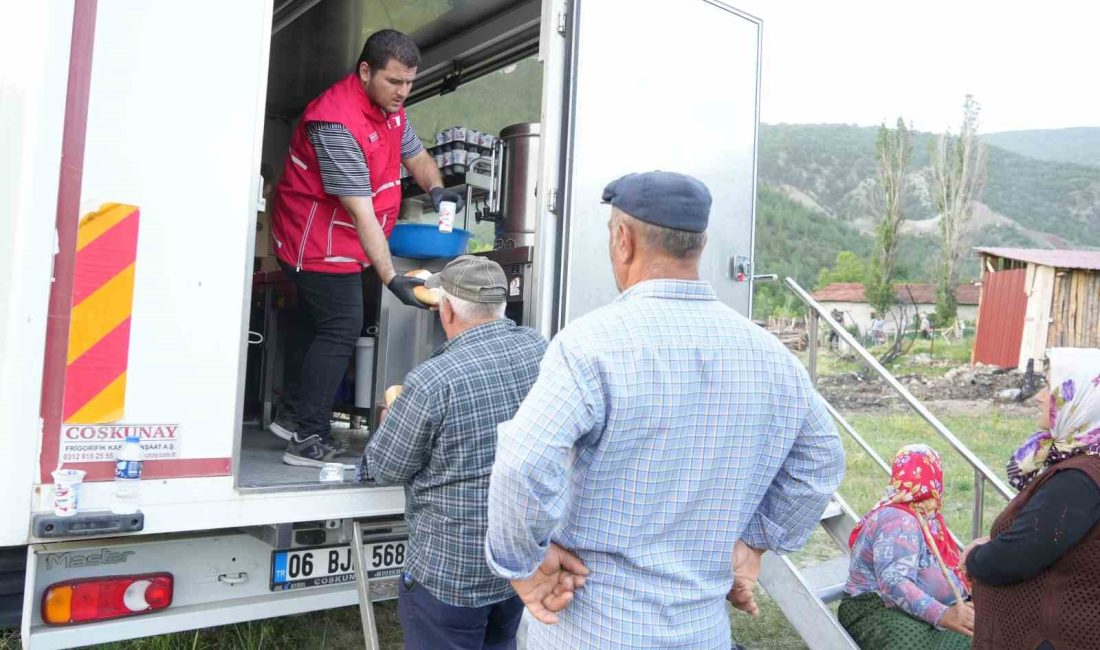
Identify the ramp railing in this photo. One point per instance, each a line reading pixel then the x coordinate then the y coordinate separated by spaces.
pixel 982 474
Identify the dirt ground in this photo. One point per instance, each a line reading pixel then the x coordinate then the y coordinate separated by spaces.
pixel 960 390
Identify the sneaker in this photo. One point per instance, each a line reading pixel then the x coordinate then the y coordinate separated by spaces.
pixel 284 428
pixel 314 452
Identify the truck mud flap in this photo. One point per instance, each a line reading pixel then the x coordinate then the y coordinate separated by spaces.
pixel 13 561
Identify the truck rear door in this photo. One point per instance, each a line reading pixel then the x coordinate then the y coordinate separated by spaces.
pixel 653 84
pixel 159 266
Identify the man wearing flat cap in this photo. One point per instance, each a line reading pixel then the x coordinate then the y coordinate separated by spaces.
pixel 439 441
pixel 665 434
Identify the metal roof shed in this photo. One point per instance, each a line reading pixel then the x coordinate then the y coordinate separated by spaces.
pixel 1033 299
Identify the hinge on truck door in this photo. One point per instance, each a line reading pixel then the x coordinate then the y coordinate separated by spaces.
pixel 261 203
pixel 561 21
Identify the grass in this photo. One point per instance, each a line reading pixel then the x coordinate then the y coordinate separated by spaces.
pixel 991 434
pixel 335 629
pixel 9 639
pixel 944 356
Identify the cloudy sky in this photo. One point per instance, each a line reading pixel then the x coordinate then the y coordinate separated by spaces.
pixel 1030 66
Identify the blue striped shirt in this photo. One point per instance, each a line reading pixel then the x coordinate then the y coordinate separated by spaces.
pixel 662 428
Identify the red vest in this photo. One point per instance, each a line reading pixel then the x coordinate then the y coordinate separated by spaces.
pixel 311 230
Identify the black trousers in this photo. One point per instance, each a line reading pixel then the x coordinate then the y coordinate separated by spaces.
pixel 331 323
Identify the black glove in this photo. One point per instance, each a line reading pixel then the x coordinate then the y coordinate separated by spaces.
pixel 402 286
pixel 440 194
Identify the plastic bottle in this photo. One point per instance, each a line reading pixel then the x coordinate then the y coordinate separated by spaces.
pixel 127 494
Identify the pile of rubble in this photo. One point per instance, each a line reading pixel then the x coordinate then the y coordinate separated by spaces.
pixel 965 383
pixel 980 382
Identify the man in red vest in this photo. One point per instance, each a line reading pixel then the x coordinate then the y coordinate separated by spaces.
pixel 335 206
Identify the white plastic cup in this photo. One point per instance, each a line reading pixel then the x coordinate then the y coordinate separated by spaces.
pixel 66 498
pixel 332 473
pixel 447 216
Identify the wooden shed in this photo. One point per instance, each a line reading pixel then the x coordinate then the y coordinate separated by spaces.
pixel 1033 299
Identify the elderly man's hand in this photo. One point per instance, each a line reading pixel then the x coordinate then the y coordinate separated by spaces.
pixel 746 571
pixel 551 588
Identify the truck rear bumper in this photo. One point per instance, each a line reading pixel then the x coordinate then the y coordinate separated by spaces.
pixel 220 577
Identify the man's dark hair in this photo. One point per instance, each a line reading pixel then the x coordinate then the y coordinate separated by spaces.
pixel 389 44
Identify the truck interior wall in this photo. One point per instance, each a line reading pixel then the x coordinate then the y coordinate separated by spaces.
pixel 277 132
pixel 307 55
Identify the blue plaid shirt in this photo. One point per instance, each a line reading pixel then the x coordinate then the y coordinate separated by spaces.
pixel 439 440
pixel 662 429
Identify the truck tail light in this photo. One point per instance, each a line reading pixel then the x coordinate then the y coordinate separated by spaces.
pixel 99 599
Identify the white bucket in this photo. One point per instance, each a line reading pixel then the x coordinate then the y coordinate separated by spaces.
pixel 364 372
pixel 66 498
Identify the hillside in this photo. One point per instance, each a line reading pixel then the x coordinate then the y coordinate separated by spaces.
pixel 1030 201
pixel 1079 145
pixel 794 240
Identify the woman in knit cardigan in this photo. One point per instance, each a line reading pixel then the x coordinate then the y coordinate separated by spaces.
pixel 1036 583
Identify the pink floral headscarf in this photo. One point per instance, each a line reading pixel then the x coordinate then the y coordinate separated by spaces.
pixel 916 487
pixel 1074 416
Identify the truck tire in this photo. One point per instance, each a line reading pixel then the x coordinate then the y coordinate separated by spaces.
pixel 13 563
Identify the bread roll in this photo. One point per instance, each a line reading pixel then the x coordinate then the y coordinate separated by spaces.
pixel 427 296
pixel 391 395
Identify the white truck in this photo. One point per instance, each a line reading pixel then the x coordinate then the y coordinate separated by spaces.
pixel 132 302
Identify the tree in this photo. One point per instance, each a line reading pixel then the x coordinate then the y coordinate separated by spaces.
pixel 958 173
pixel 893 149
pixel 848 267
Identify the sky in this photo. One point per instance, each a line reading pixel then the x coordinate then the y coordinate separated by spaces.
pixel 1030 66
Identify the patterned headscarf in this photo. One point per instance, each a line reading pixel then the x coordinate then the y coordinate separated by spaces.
pixel 1074 416
pixel 916 487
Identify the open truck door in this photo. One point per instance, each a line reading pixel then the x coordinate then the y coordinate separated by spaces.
pixel 152 263
pixel 653 85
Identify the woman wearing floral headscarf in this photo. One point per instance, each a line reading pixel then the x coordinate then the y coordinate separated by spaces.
pixel 905 590
pixel 1037 581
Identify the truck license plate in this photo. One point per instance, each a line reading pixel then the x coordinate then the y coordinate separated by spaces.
pixel 330 565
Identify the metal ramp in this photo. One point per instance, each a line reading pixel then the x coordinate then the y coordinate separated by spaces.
pixel 804 593
pixel 371 588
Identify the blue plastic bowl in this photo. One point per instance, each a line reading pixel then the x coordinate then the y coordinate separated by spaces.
pixel 423 241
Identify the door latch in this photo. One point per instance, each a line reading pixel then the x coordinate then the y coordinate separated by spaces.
pixel 740 268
